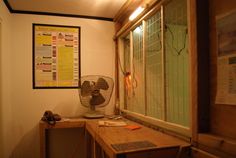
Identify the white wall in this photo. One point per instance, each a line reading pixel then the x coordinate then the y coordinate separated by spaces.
pixel 22 106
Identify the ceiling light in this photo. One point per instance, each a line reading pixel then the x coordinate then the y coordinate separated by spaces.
pixel 138 30
pixel 136 13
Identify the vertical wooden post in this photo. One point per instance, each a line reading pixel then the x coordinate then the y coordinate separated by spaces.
pixel 1 103
pixel 42 140
pixel 144 66
pixel 163 64
pixel 131 62
pixel 117 86
pixel 203 66
pixel 199 61
pixel 192 27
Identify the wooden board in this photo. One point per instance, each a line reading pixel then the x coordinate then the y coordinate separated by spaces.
pixel 220 146
pixel 43 126
pixel 106 136
pixel 196 153
pixel 223 120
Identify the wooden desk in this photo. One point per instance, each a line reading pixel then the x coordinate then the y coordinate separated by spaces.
pixel 166 145
pixel 100 139
pixel 43 127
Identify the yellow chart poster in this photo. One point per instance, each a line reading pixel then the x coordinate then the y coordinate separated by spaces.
pixel 56 56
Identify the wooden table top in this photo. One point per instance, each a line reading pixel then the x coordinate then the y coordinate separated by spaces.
pixel 106 136
pixel 64 123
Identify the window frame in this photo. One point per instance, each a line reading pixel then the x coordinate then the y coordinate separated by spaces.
pixel 176 128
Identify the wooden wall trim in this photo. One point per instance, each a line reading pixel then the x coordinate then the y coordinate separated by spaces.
pixel 117 85
pixel 11 10
pixel 220 146
pixel 198 21
pixel 121 20
pixel 180 131
pixel 192 25
pixel 123 10
pixel 147 13
pixel 197 153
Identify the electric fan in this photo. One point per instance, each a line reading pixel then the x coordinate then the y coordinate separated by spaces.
pixel 95 92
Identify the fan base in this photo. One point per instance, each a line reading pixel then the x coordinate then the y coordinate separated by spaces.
pixel 93 115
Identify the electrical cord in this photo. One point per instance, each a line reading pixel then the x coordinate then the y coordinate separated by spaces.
pixel 119 63
pixel 172 41
pixel 126 74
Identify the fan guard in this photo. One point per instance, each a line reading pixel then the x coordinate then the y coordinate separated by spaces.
pixel 95 91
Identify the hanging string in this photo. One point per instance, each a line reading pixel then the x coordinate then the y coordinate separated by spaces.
pixel 135 83
pixel 127 76
pixel 172 41
pixel 158 49
pixel 119 63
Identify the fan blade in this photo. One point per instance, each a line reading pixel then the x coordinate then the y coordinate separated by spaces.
pixel 97 99
pixel 86 89
pixel 102 84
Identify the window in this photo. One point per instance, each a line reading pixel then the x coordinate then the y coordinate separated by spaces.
pixel 154 66
pixel 155 53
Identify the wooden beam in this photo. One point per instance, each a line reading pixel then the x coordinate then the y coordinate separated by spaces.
pixel 203 81
pixel 192 26
pixel 121 19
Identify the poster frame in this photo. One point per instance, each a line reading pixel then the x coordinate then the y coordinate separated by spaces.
pixel 34 25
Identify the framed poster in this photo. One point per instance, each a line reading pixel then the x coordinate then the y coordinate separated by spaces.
pixel 226 58
pixel 56 56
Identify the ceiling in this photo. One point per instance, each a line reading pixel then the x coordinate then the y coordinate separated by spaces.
pixel 93 9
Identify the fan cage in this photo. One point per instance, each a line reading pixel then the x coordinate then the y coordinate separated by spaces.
pixel 85 100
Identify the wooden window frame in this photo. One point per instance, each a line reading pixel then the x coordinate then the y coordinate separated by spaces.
pixel 168 126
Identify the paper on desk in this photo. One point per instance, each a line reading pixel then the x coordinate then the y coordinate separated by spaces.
pixel 111 123
pixel 132 127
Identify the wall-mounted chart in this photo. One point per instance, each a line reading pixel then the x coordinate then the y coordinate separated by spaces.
pixel 56 56
pixel 226 59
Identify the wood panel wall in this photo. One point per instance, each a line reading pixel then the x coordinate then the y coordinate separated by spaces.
pixel 222 117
